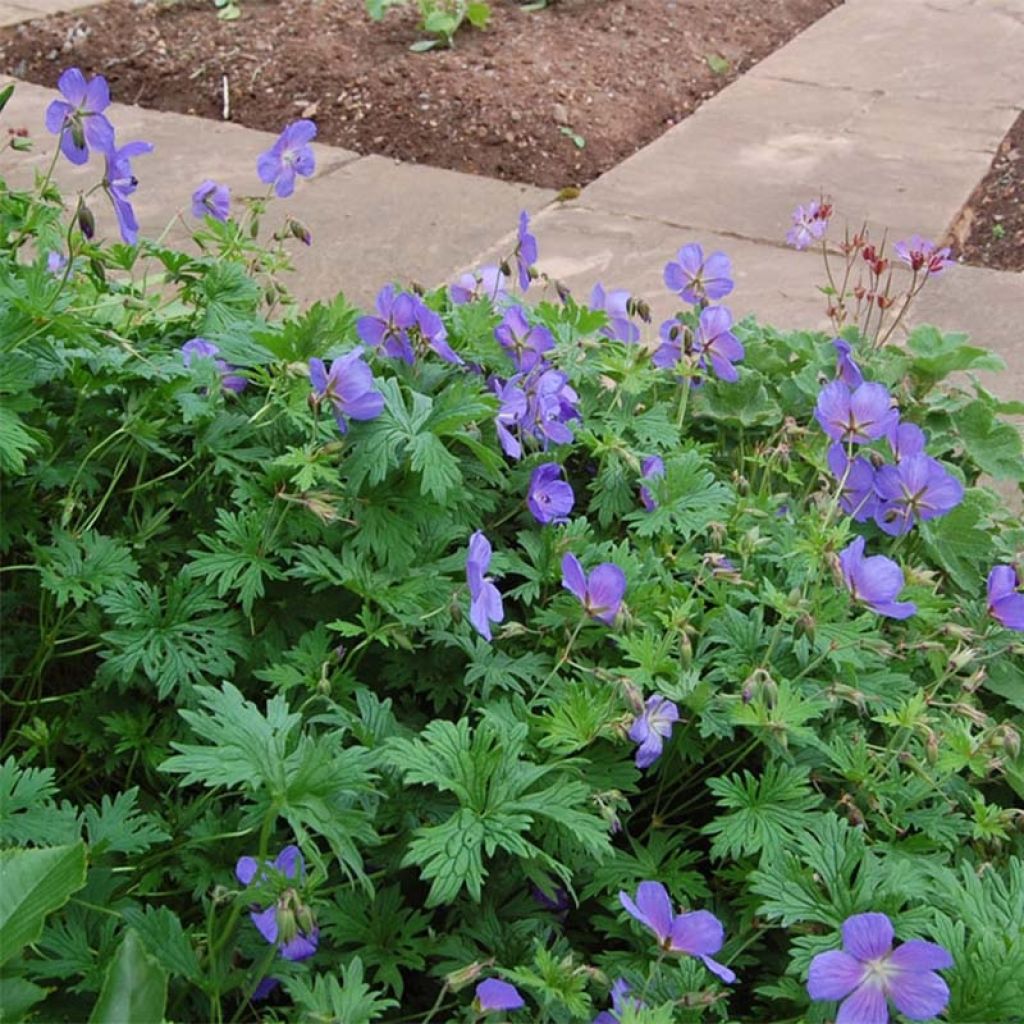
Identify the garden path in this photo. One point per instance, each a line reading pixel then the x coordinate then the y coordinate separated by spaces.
pixel 893 107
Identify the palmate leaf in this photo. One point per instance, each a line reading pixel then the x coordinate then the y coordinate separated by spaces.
pixel 761 813
pixel 175 637
pixel 237 558
pixel 350 1000
pixel 77 568
pixel 161 931
pixel 501 799
pixel 689 499
pixel 28 813
pixel 118 826
pixel 314 784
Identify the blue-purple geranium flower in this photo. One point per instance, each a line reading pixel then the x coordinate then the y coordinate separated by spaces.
pixel 601 593
pixel 496 996
pixel 616 304
pixel 699 279
pixel 653 466
pixel 621 1002
pixel 389 329
pixel 698 933
pixel 917 488
pixel 550 498
pixel 120 182
pixel 1005 603
pixel 906 439
pixel 847 369
pixel 538 405
pixel 200 348
pixel 524 342
pixel 867 974
pixel 863 414
pixel 717 347
pixel 652 727
pixel 857 476
pixel 212 200
pixel 526 251
pixel 485 605
pixel 876 581
pixel 287 923
pixel 78 118
pixel 348 387
pixel 289 156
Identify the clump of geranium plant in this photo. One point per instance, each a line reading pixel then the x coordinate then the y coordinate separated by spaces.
pixel 471 659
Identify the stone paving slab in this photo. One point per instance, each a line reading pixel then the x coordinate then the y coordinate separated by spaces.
pixel 372 218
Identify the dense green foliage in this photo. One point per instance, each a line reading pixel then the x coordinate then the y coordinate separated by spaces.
pixel 228 628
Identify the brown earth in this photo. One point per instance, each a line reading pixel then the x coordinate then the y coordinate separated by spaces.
pixel 505 102
pixel 990 229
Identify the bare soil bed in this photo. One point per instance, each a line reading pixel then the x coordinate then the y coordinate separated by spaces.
pixel 504 102
pixel 990 229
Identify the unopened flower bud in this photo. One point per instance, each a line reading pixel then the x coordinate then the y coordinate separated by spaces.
pixel 86 221
pixel 1011 740
pixel 931 747
pixel 464 976
pixel 564 294
pixel 299 230
pixel 961 658
pixel 804 626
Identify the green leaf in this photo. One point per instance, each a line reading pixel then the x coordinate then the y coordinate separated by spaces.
pixel 745 402
pixel 17 997
pixel 937 355
pixel 350 1001
pixel 16 442
pixel 76 568
pixel 959 544
pixel 118 826
pixel 994 445
pixel 761 813
pixel 478 14
pixel 718 65
pixel 28 813
pixel 5 94
pixel 161 931
pixel 134 989
pixel 34 883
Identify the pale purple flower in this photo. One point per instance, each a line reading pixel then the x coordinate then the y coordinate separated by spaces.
pixel 906 439
pixel 526 251
pixel 615 304
pixel 488 282
pixel 119 183
pixel 601 593
pixel 348 386
pixel 876 581
pixel 652 727
pixel 864 414
pixel 286 924
pixel 698 933
pixel 290 155
pixel 696 278
pixel 621 1002
pixel 56 262
pixel 485 604
pixel 809 224
pixel 1005 604
pixel 200 348
pixel 496 996
pixel 847 369
pixel 550 498
pixel 920 254
pixel 858 498
pixel 867 973
pixel 716 344
pixel 79 117
pixel 389 330
pixel 653 466
pixel 524 342
pixel 917 488
pixel 211 199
